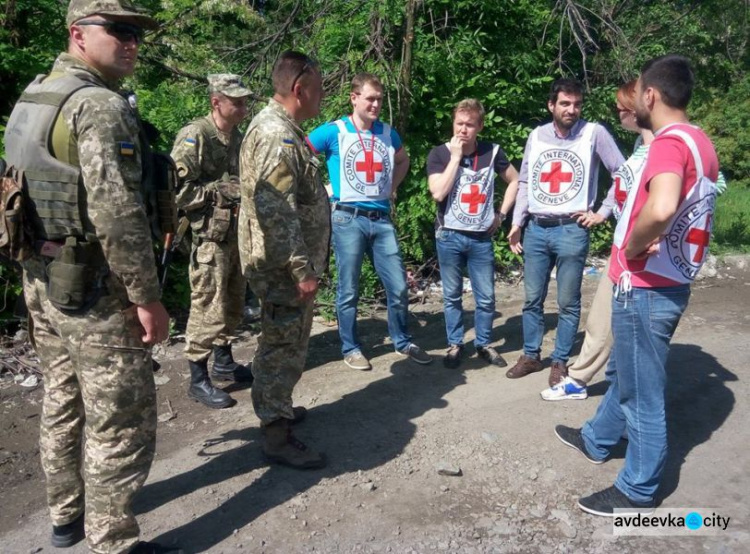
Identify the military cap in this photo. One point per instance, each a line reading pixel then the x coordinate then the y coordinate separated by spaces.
pixel 228 85
pixel 78 9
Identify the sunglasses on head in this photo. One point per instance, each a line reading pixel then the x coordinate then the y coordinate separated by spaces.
pixel 305 68
pixel 122 31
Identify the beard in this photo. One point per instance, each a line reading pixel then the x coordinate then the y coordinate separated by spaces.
pixel 563 123
pixel 643 119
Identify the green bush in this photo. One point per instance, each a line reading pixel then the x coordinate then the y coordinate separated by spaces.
pixel 731 229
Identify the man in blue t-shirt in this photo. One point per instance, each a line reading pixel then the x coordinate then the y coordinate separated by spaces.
pixel 366 163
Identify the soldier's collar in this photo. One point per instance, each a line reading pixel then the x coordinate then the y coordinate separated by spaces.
pixel 281 110
pixel 69 63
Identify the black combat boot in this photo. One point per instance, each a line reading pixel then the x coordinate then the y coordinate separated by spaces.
pixel 64 536
pixel 202 390
pixel 226 369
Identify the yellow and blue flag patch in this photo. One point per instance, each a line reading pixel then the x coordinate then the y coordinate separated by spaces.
pixel 287 142
pixel 190 141
pixel 127 148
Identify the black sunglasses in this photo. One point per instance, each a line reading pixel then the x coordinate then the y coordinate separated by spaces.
pixel 122 31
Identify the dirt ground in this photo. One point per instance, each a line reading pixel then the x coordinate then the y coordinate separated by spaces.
pixel 388 431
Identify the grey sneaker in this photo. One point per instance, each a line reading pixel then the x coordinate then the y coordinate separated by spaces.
pixel 416 354
pixel 357 360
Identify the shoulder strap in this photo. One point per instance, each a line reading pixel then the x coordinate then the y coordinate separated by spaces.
pixel 341 125
pixel 690 143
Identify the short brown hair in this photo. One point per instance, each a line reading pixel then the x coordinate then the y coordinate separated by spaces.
pixel 289 68
pixel 626 95
pixel 470 105
pixel 362 79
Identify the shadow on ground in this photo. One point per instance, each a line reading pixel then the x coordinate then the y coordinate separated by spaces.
pixel 698 403
pixel 363 430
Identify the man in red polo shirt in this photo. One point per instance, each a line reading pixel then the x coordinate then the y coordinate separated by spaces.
pixel 660 245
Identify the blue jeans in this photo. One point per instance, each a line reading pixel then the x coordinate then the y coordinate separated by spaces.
pixel 564 247
pixel 457 251
pixel 353 237
pixel 642 325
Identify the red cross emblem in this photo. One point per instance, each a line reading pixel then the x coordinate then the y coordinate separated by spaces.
pixel 474 198
pixel 701 238
pixel 369 166
pixel 620 193
pixel 555 177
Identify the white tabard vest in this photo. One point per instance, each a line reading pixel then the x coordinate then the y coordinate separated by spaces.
pixel 470 204
pixel 627 176
pixel 684 246
pixel 559 177
pixel 366 174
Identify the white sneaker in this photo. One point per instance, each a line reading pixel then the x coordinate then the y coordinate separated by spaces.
pixel 567 389
pixel 357 360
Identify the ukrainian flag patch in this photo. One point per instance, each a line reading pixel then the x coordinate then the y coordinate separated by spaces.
pixel 127 148
pixel 287 142
pixel 190 141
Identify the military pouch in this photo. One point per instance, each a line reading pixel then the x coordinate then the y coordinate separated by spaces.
pixel 15 235
pixel 74 282
pixel 218 224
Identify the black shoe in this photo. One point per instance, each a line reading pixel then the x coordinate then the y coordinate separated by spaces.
pixel 300 414
pixel 64 536
pixel 453 357
pixel 144 547
pixel 604 503
pixel 572 438
pixel 226 369
pixel 491 356
pixel 201 390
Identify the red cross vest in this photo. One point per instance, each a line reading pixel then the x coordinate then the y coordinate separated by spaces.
pixel 470 204
pixel 559 177
pixel 626 176
pixel 684 245
pixel 366 168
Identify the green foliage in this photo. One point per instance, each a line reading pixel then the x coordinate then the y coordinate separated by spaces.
pixel 731 228
pixel 502 53
pixel 176 293
pixel 11 288
pixel 727 120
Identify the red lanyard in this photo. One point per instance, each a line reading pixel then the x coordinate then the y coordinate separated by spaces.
pixel 372 141
pixel 476 160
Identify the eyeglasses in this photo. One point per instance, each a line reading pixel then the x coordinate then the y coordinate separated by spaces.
pixel 309 64
pixel 124 32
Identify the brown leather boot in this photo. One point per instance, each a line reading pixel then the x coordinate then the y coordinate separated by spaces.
pixel 558 372
pixel 281 447
pixel 524 366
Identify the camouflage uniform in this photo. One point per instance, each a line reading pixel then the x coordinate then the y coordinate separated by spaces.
pixel 284 231
pixel 97 371
pixel 206 157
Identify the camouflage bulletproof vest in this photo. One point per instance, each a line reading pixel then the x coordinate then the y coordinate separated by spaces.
pixel 53 187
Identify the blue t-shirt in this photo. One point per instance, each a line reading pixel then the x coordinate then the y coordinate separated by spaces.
pixel 325 140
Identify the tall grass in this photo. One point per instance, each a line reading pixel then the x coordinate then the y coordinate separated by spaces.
pixel 732 221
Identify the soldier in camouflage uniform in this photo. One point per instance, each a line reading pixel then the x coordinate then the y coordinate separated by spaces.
pixel 91 286
pixel 284 229
pixel 206 153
